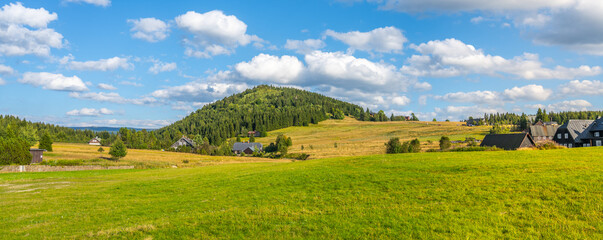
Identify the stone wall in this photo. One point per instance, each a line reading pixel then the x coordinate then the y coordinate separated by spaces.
pixel 44 168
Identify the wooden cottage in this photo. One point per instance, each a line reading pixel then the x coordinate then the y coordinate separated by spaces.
pixel 183 141
pixel 246 147
pixel 571 133
pixel 37 155
pixel 508 141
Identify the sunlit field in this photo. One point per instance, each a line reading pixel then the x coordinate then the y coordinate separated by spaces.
pixel 349 137
pixel 84 154
pixel 553 194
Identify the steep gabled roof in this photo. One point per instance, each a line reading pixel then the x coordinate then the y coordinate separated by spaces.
pixel 597 125
pixel 506 141
pixel 576 128
pixel 543 130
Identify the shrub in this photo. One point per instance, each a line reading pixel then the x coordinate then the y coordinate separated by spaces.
pixel 185 161
pixel 445 143
pixel 415 146
pixel 393 146
pixel 548 145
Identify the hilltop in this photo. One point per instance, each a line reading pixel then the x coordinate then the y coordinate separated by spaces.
pixel 262 108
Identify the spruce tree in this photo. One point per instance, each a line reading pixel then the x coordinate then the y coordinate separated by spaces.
pixel 118 149
pixel 46 142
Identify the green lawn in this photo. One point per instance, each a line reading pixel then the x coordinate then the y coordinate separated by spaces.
pixel 554 194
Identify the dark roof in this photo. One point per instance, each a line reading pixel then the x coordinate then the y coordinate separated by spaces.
pixel 543 130
pixel 576 128
pixel 507 141
pixel 240 146
pixel 597 125
pixel 188 141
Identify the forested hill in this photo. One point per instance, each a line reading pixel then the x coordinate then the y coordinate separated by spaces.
pixel 263 108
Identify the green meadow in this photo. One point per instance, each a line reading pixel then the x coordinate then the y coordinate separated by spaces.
pixel 553 194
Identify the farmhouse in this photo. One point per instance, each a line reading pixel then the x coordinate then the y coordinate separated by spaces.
pixel 572 133
pixel 183 141
pixel 543 131
pixel 95 141
pixel 37 155
pixel 581 133
pixel 508 141
pixel 246 147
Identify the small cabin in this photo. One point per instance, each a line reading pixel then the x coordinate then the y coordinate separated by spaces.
pixel 246 147
pixel 37 155
pixel 512 141
pixel 95 141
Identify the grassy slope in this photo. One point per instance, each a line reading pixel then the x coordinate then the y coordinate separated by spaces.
pixel 517 194
pixel 355 138
pixel 88 155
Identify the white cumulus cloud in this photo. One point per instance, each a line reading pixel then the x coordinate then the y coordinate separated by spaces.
pixel 384 40
pixel 213 33
pixel 530 92
pixel 452 57
pixel 24 31
pixel 53 81
pixel 199 92
pixel 159 67
pixel 149 29
pixel 585 87
pixel 264 67
pixel 112 97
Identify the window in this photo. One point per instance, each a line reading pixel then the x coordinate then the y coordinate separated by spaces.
pixel 569 146
pixel 598 143
pixel 596 134
pixel 566 136
pixel 558 135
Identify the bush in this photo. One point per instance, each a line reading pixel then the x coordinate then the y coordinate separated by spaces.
pixel 445 143
pixel 393 146
pixel 471 142
pixel 548 145
pixel 118 149
pixel 415 146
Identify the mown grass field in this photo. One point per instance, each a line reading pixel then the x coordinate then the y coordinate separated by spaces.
pixel 349 137
pixel 553 194
pixel 84 154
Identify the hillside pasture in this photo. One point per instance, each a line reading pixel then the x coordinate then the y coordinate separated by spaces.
pixel 84 154
pixel 554 194
pixel 350 137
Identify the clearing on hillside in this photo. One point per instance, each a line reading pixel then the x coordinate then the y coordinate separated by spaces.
pixel 350 137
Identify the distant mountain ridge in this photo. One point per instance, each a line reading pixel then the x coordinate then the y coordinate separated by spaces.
pixel 108 129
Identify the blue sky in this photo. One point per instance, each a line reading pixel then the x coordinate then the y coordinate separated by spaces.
pixel 149 63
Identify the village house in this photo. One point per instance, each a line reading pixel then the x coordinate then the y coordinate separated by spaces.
pixel 96 141
pixel 512 141
pixel 246 147
pixel 570 134
pixel 183 141
pixel 580 133
pixel 543 131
